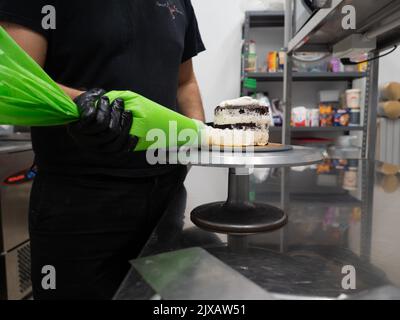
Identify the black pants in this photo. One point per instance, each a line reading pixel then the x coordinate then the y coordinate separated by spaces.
pixel 88 228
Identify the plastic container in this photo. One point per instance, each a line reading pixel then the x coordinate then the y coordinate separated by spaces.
pixel 335 66
pixel 310 62
pixel 299 117
pixel 313 118
pixel 250 56
pixel 281 61
pixel 353 98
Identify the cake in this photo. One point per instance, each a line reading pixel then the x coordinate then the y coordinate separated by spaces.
pixel 240 122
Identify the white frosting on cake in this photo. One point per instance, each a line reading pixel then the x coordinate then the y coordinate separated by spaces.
pixel 234 137
pixel 240 102
pixel 234 116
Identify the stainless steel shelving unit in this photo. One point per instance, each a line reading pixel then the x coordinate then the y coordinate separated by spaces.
pixel 276 19
pixel 322 32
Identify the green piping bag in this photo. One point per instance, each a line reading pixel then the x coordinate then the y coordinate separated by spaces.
pixel 29 97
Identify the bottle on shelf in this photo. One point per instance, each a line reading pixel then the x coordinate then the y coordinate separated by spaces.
pixel 272 62
pixel 250 56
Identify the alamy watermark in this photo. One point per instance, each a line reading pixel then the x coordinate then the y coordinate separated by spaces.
pixel 49 18
pixel 349 21
pixel 204 146
pixel 349 281
pixel 49 277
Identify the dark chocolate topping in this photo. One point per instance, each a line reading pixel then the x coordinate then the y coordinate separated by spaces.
pixel 240 126
pixel 261 110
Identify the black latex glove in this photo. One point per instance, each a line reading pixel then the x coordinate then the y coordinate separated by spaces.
pixel 103 127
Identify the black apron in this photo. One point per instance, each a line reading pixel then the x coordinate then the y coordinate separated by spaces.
pixel 88 228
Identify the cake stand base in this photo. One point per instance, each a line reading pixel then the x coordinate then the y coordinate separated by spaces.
pixel 238 216
pixel 238 219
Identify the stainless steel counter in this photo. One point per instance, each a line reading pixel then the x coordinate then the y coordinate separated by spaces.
pixel 339 220
pixel 15 143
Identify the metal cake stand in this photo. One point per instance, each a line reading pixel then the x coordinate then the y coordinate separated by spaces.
pixel 238 216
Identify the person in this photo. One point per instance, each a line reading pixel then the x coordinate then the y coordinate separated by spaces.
pixel 94 202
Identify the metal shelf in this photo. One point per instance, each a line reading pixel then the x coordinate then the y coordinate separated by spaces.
pixel 325 29
pixel 320 34
pixel 265 19
pixel 308 76
pixel 319 129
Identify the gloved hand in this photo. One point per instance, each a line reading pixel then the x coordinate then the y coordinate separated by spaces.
pixel 103 127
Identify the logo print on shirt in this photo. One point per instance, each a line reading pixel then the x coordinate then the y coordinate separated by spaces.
pixel 173 9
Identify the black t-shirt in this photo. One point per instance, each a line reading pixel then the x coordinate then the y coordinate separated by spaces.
pixel 135 45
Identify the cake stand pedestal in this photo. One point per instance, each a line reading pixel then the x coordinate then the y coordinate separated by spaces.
pixel 238 216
